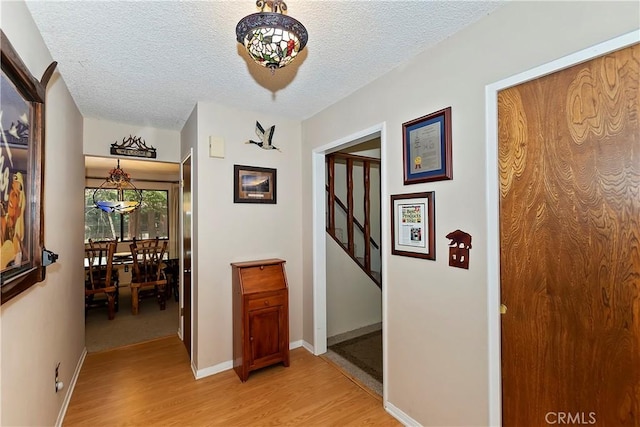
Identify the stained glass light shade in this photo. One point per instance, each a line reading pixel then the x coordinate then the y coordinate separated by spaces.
pixel 272 39
pixel 117 194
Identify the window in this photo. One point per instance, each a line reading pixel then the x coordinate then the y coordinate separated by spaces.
pixel 148 221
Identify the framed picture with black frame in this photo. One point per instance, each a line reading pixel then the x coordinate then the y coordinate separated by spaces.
pixel 413 225
pixel 427 148
pixel 252 184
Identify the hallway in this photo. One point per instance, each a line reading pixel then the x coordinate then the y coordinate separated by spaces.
pixel 152 384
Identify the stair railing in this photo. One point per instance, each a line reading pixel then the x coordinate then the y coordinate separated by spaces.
pixel 349 208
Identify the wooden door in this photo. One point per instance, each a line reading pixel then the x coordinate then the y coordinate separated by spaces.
pixel 186 253
pixel 569 159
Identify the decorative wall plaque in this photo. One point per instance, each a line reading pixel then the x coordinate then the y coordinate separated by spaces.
pixel 133 147
pixel 459 249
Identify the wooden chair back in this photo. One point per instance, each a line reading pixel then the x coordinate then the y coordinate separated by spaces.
pixel 100 273
pixel 101 279
pixel 148 271
pixel 148 261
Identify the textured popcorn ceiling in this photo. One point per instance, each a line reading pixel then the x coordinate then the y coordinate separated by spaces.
pixel 149 62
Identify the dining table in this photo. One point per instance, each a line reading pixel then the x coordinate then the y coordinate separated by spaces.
pixel 125 258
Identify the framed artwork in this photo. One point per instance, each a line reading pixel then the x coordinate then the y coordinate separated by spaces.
pixel 21 173
pixel 427 148
pixel 413 225
pixel 254 185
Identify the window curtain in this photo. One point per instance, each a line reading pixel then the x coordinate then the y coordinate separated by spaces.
pixel 174 221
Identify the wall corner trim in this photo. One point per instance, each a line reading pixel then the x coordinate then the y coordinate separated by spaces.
pixel 400 415
pixel 296 344
pixel 212 370
pixel 72 385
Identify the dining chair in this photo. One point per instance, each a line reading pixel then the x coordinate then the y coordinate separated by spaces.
pixel 100 280
pixel 102 244
pixel 148 272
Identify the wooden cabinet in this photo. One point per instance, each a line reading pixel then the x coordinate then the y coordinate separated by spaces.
pixel 260 315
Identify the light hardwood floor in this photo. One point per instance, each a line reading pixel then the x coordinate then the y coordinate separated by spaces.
pixel 152 384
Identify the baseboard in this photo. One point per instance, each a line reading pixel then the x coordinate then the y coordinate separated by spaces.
pixel 295 344
pixel 225 366
pixel 401 416
pixel 308 347
pixel 215 369
pixel 70 388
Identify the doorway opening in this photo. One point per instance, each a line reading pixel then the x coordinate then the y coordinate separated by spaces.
pixel 157 217
pixel 334 322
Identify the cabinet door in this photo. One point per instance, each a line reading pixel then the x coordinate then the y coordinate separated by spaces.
pixel 265 336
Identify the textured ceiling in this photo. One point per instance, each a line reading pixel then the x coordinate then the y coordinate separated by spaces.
pixel 149 62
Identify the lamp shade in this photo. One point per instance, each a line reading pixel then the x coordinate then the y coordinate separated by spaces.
pixel 117 194
pixel 272 39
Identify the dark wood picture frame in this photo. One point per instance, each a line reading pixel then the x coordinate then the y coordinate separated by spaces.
pixel 426 148
pixel 253 184
pixel 413 225
pixel 22 162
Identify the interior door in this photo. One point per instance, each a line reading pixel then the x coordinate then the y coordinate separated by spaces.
pixel 186 252
pixel 569 163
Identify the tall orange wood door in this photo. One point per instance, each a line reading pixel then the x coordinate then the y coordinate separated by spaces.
pixel 569 164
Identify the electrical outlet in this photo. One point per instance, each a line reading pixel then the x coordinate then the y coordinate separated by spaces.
pixel 57 383
pixel 126 268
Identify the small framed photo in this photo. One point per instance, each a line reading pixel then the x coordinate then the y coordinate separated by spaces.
pixel 427 148
pixel 413 225
pixel 254 185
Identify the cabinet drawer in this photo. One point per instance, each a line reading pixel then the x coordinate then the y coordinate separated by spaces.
pixel 263 278
pixel 264 302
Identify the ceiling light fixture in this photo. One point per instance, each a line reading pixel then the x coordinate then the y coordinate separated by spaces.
pixel 272 39
pixel 124 200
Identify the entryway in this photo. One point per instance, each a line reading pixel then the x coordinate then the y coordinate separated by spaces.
pixel 348 301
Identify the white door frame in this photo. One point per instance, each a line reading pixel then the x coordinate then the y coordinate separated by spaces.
pixel 319 237
pixel 492 190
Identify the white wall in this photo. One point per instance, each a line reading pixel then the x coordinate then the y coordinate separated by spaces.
pixel 229 232
pixel 100 134
pixel 436 324
pixel 353 299
pixel 45 324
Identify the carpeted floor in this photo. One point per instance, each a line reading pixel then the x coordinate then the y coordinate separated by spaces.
pixel 151 322
pixel 364 351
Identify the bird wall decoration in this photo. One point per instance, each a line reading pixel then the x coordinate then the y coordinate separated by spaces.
pixel 265 137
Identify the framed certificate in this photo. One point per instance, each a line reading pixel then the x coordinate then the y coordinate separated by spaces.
pixel 413 225
pixel 427 148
